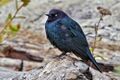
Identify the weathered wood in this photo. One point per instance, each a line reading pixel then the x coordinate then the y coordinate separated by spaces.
pixel 56 70
pixel 19 65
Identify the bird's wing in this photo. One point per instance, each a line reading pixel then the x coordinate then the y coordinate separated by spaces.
pixel 77 37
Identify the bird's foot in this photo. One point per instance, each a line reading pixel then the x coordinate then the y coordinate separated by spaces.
pixel 61 56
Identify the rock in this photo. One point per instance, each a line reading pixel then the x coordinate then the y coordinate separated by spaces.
pixel 59 70
pixel 71 76
pixel 115 59
pixel 99 76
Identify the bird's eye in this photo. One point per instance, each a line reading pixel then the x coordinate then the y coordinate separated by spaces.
pixel 56 15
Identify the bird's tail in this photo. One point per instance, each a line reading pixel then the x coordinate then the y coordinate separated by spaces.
pixel 94 62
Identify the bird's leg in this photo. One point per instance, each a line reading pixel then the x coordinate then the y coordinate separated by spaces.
pixel 61 55
pixel 50 48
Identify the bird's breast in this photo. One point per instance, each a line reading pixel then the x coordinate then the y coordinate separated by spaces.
pixel 58 31
pixel 57 36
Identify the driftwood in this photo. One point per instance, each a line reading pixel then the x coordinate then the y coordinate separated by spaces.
pixel 65 69
pixel 19 65
pixel 50 69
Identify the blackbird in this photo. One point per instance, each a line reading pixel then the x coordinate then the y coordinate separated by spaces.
pixel 67 35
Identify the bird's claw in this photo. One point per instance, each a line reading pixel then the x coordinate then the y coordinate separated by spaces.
pixel 61 56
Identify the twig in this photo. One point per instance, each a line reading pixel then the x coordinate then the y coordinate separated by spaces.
pixel 2 30
pixel 96 33
pixel 103 12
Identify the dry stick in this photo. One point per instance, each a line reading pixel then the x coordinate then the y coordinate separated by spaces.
pixel 96 33
pixel 11 19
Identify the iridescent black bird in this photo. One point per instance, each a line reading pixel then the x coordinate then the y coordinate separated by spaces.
pixel 66 34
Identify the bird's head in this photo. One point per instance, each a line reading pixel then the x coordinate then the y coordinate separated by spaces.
pixel 55 14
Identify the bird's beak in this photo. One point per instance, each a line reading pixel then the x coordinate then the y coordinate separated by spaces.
pixel 47 15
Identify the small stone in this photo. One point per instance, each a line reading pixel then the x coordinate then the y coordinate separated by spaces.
pixel 71 76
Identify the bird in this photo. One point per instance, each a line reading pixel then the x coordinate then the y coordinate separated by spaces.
pixel 66 34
